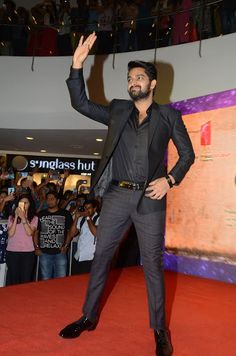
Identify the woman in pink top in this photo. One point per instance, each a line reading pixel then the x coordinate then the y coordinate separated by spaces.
pixel 20 256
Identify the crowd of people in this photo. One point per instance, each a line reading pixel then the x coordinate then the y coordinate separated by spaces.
pixel 42 220
pixel 53 28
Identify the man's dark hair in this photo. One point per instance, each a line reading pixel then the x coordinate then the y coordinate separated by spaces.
pixel 149 68
pixel 51 186
pixel 93 202
pixel 82 196
pixel 68 193
pixel 52 193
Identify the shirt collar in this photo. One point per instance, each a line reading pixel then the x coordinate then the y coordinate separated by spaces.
pixel 148 111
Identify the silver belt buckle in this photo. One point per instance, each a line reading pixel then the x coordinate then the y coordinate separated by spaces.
pixel 130 185
pixel 135 186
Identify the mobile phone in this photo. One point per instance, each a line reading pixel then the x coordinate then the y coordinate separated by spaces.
pixel 55 176
pixel 84 182
pixel 10 190
pixel 21 205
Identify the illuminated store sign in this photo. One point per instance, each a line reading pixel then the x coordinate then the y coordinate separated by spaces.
pixel 59 164
pixel 45 163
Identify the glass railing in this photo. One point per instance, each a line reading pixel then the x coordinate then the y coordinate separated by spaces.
pixel 164 27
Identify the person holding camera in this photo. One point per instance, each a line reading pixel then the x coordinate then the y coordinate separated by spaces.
pixel 85 226
pixel 77 204
pixel 20 256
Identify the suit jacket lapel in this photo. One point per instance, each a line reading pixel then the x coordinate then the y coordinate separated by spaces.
pixel 154 122
pixel 119 118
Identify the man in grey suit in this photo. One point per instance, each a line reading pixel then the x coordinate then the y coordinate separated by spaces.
pixel 138 134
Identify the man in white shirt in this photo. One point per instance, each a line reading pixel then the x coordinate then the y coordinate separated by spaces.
pixel 85 225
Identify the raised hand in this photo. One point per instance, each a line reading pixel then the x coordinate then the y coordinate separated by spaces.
pixel 9 197
pixel 21 213
pixel 82 51
pixel 66 173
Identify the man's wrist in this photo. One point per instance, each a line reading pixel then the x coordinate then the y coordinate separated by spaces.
pixel 169 181
pixel 77 66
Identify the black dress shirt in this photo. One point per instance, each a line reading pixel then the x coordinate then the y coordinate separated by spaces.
pixel 130 158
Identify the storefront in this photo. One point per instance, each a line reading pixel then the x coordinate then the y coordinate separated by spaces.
pixel 42 166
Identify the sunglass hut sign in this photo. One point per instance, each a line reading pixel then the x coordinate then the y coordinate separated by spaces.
pixel 76 165
pixel 28 163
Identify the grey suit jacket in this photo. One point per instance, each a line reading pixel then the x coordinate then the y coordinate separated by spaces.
pixel 166 124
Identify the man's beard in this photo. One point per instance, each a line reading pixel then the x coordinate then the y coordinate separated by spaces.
pixel 139 95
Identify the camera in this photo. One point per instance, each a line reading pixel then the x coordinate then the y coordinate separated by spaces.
pixel 10 190
pixel 54 175
pixel 81 209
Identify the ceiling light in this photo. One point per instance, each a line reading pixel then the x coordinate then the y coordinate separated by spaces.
pixel 43 151
pixel 99 139
pixel 96 153
pixel 29 138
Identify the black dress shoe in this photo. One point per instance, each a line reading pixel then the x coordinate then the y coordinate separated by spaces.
pixel 75 329
pixel 163 343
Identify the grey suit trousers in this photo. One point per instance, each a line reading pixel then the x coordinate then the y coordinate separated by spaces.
pixel 118 212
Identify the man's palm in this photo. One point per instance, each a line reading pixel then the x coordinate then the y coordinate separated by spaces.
pixel 82 51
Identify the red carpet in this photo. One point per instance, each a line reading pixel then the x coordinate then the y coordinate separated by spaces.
pixel 201 313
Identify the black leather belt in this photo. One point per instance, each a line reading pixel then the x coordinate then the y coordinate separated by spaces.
pixel 128 185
